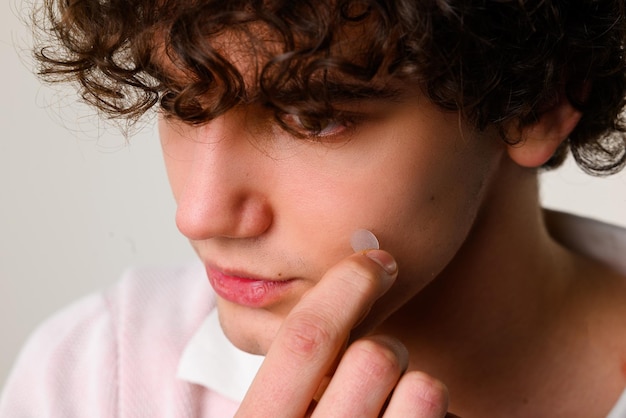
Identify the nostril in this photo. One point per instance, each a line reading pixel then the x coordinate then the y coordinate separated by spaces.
pixel 255 218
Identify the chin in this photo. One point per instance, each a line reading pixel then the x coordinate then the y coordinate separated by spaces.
pixel 250 330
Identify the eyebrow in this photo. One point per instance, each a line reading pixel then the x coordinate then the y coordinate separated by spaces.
pixel 342 92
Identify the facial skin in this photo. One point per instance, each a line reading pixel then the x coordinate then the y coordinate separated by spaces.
pixel 255 201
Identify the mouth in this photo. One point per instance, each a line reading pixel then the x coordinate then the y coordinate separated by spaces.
pixel 247 290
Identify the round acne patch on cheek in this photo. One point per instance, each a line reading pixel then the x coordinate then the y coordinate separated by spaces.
pixel 362 240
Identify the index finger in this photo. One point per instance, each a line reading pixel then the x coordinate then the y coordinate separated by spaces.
pixel 313 333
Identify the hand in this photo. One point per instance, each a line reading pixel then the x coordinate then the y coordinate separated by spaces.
pixel 298 369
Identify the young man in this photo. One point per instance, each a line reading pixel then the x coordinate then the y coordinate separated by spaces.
pixel 287 126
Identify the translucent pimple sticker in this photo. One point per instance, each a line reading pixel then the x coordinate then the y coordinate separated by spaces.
pixel 362 240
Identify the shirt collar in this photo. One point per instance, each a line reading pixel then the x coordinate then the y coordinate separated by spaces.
pixel 211 360
pixel 598 240
pixel 619 410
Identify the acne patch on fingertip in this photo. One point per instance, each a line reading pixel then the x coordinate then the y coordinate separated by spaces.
pixel 362 240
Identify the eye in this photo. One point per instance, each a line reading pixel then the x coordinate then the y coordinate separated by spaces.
pixel 315 127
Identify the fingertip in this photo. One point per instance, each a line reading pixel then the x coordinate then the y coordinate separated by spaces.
pixel 383 259
pixel 371 271
pixel 418 391
pixel 399 350
pixel 431 392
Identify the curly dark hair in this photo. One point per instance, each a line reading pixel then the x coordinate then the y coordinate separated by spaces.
pixel 496 61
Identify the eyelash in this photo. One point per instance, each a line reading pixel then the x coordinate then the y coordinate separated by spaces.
pixel 320 128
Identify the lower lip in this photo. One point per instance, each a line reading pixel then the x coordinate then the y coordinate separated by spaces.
pixel 253 293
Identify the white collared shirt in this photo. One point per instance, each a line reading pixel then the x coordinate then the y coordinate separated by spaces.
pixel 212 361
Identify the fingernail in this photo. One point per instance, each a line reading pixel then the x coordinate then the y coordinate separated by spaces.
pixel 396 347
pixel 384 259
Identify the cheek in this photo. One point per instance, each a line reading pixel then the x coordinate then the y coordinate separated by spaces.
pixel 430 219
pixel 322 216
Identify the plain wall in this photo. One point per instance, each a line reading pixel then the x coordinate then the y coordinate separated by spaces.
pixel 78 204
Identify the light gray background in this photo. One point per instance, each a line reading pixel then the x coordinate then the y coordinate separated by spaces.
pixel 78 204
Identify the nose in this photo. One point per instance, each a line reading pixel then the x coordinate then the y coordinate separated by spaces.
pixel 223 192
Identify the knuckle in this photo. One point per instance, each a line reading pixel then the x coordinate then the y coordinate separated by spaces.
pixel 307 333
